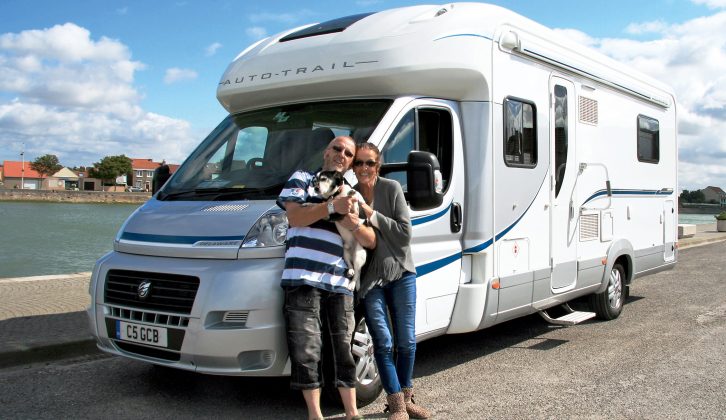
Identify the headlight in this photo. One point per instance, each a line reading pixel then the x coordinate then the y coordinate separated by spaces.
pixel 269 230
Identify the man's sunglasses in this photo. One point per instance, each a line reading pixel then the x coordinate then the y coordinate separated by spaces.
pixel 370 163
pixel 346 152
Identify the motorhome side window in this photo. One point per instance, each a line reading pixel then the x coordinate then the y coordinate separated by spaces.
pixel 648 139
pixel 425 129
pixel 520 133
pixel 560 136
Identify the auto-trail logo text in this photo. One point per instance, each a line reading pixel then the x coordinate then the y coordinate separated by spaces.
pixel 302 70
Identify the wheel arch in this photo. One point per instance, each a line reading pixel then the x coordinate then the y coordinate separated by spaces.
pixel 620 251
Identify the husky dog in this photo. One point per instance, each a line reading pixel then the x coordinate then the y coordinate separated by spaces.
pixel 330 184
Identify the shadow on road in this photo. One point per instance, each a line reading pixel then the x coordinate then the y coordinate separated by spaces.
pixel 445 352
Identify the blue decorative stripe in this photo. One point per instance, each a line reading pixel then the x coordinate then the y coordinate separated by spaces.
pixel 600 193
pixel 488 243
pixel 480 247
pixel 455 35
pixel 501 234
pixel 424 219
pixel 424 269
pixel 173 239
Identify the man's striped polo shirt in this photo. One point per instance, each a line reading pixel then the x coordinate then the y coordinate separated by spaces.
pixel 314 253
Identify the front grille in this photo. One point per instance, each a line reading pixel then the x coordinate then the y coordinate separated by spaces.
pixel 168 292
pixel 155 318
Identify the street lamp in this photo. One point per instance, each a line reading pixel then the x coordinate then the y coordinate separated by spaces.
pixel 22 167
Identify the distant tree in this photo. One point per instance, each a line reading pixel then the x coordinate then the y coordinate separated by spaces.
pixel 110 168
pixel 46 165
pixel 685 196
pixel 698 197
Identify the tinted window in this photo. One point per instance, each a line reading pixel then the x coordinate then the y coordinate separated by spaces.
pixel 560 136
pixel 251 155
pixel 426 129
pixel 520 133
pixel 329 27
pixel 648 139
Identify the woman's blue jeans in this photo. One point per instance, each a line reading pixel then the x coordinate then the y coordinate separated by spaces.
pixel 399 299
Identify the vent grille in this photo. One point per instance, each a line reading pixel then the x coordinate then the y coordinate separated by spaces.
pixel 238 317
pixel 226 208
pixel 167 293
pixel 588 110
pixel 589 227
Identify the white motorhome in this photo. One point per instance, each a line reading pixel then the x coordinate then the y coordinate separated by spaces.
pixel 537 171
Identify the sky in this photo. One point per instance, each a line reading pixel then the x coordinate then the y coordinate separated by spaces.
pixel 87 79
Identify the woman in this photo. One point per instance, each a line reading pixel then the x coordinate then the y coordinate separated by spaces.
pixel 388 284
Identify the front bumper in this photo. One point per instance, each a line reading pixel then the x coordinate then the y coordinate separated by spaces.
pixel 235 325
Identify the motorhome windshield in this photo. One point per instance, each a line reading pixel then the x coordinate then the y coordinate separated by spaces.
pixel 251 155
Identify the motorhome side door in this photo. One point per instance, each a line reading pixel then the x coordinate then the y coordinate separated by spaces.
pixel 432 126
pixel 563 170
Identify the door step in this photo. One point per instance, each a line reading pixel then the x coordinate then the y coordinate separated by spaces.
pixel 571 318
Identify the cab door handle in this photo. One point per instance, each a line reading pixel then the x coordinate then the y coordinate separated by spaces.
pixel 455 217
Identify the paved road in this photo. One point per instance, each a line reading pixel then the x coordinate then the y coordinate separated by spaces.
pixel 665 357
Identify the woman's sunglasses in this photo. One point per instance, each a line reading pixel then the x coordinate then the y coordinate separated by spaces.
pixel 369 163
pixel 347 152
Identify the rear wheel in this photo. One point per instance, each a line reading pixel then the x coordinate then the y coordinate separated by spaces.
pixel 609 304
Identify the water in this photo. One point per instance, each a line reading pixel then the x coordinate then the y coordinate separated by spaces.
pixel 61 238
pixel 56 238
pixel 696 219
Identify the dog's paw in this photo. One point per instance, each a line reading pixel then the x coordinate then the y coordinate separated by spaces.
pixel 350 273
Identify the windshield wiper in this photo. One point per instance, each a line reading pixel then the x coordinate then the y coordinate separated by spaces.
pixel 271 190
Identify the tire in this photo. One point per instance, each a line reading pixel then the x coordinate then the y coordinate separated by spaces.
pixel 609 304
pixel 368 385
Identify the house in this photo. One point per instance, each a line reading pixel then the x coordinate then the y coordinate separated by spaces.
pixel 64 179
pixel 142 172
pixel 20 175
pixel 715 195
pixel 86 183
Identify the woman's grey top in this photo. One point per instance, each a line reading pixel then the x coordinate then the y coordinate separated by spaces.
pixel 392 225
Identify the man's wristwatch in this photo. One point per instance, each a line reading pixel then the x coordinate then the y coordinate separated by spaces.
pixel 331 208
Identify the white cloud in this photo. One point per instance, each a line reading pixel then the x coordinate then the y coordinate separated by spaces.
pixel 690 57
pixel 577 36
pixel 175 74
pixel 212 49
pixel 646 27
pixel 713 4
pixel 256 32
pixel 74 96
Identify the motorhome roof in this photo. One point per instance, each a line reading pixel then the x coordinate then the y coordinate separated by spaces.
pixel 439 51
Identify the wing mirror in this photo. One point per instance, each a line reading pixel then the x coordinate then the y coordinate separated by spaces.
pixel 425 184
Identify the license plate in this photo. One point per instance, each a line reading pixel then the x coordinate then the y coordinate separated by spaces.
pixel 144 334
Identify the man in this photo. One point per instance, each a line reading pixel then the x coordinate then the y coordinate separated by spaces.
pixel 315 283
